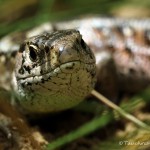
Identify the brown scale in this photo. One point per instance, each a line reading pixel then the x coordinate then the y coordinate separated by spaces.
pixel 126 71
pixel 132 68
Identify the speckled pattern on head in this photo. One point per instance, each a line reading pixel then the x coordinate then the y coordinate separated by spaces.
pixel 54 71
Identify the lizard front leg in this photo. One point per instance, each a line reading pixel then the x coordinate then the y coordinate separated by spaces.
pixel 107 81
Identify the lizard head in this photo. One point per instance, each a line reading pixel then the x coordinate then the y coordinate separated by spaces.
pixel 54 71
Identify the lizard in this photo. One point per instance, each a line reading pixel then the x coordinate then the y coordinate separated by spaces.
pixel 45 59
pixel 120 46
pixel 52 72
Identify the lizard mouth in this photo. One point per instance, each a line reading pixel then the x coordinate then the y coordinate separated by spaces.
pixel 65 69
pixel 69 67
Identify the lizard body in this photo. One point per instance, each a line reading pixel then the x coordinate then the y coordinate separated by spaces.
pixel 122 51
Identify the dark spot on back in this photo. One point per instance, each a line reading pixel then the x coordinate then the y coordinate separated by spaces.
pixel 128 49
pixel 142 72
pixel 132 71
pixel 147 36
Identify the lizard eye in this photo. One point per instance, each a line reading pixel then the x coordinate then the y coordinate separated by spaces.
pixel 83 44
pixel 33 53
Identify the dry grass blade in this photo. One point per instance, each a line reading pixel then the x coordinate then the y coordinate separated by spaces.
pixel 120 110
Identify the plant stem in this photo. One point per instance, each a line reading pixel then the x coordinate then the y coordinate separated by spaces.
pixel 120 110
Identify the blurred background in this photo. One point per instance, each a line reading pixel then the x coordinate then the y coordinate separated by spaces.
pixel 16 15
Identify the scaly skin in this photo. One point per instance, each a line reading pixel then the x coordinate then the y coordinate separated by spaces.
pixel 54 71
pixel 121 47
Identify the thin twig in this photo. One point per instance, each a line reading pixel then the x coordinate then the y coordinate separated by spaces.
pixel 120 110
